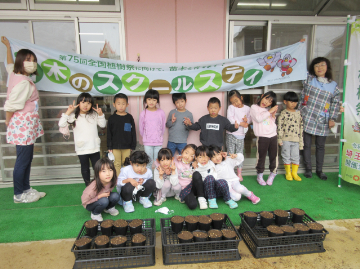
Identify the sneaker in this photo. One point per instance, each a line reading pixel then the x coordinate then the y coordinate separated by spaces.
pixel 212 203
pixel 128 206
pixel 260 179
pixel 145 202
pixel 26 198
pixel 158 203
pixel 31 190
pixel 254 199
pixel 271 179
pixel 112 211
pixel 232 204
pixel 97 217
pixel 202 203
pixel 239 174
pixel 179 199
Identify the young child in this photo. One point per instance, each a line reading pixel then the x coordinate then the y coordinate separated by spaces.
pixel 166 177
pixel 84 119
pixel 178 131
pixel 98 196
pixel 290 135
pixel 136 181
pixel 121 132
pixel 152 125
pixel 212 126
pixel 225 169
pixel 213 186
pixel 191 181
pixel 237 112
pixel 265 130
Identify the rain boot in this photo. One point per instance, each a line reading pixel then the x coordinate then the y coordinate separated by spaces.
pixel 288 175
pixel 295 168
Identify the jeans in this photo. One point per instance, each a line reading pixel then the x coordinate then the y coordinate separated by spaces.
pixel 21 173
pixel 85 167
pixel 103 203
pixel 152 152
pixel 176 146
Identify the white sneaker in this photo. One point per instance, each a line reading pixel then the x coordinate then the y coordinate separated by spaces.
pixel 158 203
pixel 41 194
pixel 179 199
pixel 96 217
pixel 202 203
pixel 27 198
pixel 112 211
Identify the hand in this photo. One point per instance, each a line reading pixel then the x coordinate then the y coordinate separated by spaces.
pixel 134 182
pixel 273 110
pixel 110 150
pixel 331 123
pixel 141 181
pixel 302 40
pixel 244 119
pixel 223 154
pixel 244 124
pixel 173 118
pixel 98 110
pixel 195 164
pixel 187 121
pixel 341 109
pixel 7 122
pixel 280 143
pixel 179 158
pixel 71 108
pixel 173 167
pixel 236 125
pixel 233 156
pixel 105 194
pixel 5 41
pixel 161 172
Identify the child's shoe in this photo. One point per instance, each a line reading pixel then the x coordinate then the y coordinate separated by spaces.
pixel 212 203
pixel 202 202
pixel 97 217
pixel 112 211
pixel 260 179
pixel 239 174
pixel 26 198
pixel 39 193
pixel 128 206
pixel 161 200
pixel 179 199
pixel 271 179
pixel 294 174
pixel 145 202
pixel 288 175
pixel 232 204
pixel 254 199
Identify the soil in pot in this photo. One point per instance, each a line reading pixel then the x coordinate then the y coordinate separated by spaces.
pixel 136 226
pixel 120 227
pixel 102 241
pixel 228 234
pixel 215 235
pixel 204 223
pixel 191 223
pixel 83 243
pixel 250 218
pixel 281 217
pixel 138 240
pixel 91 227
pixel 177 223
pixel 185 237
pixel 298 215
pixel 106 227
pixel 200 236
pixel 274 230
pixel 118 241
pixel 315 227
pixel 301 228
pixel 217 220
pixel 288 230
pixel 266 218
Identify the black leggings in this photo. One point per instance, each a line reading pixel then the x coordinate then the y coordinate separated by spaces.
pixel 127 190
pixel 85 167
pixel 196 190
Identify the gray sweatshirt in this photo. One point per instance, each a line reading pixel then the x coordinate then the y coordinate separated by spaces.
pixel 178 132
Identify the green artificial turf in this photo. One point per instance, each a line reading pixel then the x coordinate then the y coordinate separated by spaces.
pixel 60 213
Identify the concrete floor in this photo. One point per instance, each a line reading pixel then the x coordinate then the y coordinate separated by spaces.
pixel 341 244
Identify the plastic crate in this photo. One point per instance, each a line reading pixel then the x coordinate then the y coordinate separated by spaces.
pixel 127 256
pixel 279 250
pixel 260 235
pixel 209 251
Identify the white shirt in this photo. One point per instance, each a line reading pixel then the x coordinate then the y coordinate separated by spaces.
pixel 128 172
pixel 207 170
pixel 225 169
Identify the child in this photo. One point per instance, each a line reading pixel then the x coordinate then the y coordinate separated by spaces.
pixel 22 119
pixel 213 186
pixel 121 132
pixel 290 135
pixel 136 181
pixel 98 196
pixel 166 177
pixel 178 131
pixel 237 112
pixel 265 130
pixel 190 181
pixel 212 125
pixel 225 169
pixel 152 125
pixel 84 119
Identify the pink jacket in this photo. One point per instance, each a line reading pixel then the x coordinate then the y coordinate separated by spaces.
pixel 152 127
pixel 264 124
pixel 90 196
pixel 237 114
pixel 185 173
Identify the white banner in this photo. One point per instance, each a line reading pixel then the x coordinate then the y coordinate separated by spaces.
pixel 73 73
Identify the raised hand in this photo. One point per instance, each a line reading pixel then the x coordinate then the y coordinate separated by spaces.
pixel 173 167
pixel 71 108
pixel 236 125
pixel 194 164
pixel 187 121
pixel 179 158
pixel 5 41
pixel 98 110
pixel 161 172
pixel 244 119
pixel 173 118
pixel 223 154
pixel 233 156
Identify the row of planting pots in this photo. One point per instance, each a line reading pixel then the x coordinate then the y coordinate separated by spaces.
pixel 192 223
pixel 110 227
pixel 203 236
pixel 296 228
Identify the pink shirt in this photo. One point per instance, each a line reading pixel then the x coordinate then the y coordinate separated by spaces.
pixel 152 127
pixel 90 196
pixel 264 124
pixel 237 114
pixel 185 173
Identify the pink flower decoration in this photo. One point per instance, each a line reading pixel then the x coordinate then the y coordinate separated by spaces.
pixel 21 135
pixel 17 122
pixel 15 136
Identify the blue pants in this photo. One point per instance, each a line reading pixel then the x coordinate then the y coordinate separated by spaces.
pixel 176 146
pixel 103 203
pixel 21 174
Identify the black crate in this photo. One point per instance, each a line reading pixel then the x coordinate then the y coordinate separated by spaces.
pixel 279 250
pixel 127 253
pixel 260 235
pixel 209 251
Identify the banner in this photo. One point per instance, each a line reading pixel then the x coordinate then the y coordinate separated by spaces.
pixel 74 73
pixel 351 152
